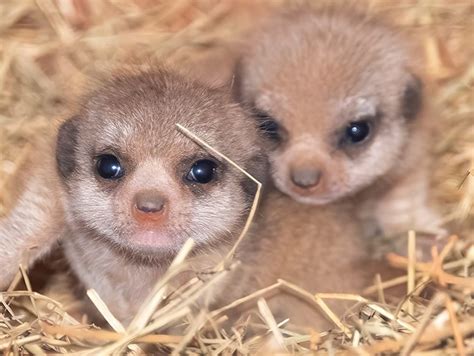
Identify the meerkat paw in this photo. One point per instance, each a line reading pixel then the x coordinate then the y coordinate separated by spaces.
pixel 425 242
pixel 395 225
pixel 402 217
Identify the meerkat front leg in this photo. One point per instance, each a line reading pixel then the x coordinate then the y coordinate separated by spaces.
pixel 407 207
pixel 35 221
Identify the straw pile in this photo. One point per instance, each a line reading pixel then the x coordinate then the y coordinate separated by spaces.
pixel 46 45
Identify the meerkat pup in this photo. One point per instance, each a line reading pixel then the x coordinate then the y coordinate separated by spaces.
pixel 124 189
pixel 340 94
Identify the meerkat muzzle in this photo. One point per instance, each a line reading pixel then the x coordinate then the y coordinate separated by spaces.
pixel 149 205
pixel 305 177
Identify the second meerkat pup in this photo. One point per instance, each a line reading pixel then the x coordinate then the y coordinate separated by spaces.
pixel 340 95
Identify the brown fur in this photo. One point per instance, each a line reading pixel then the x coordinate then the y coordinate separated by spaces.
pixel 314 71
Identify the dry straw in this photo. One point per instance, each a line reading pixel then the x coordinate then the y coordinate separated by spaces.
pixel 46 43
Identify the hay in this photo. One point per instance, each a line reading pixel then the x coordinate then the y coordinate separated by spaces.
pixel 46 45
pixel 32 322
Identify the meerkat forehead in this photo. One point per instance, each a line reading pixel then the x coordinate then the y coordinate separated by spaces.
pixel 134 115
pixel 139 111
pixel 332 53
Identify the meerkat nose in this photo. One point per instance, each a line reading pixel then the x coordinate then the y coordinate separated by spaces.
pixel 149 202
pixel 305 177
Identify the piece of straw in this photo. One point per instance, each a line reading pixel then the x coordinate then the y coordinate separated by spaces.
pixel 411 269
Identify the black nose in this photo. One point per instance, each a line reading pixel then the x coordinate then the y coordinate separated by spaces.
pixel 149 202
pixel 305 177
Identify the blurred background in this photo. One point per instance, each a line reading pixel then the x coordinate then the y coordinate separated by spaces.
pixel 49 47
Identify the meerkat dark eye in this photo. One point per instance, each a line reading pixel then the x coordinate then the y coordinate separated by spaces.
pixel 270 128
pixel 357 131
pixel 268 125
pixel 202 171
pixel 109 167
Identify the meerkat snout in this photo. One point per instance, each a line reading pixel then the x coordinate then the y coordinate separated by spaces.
pixel 149 204
pixel 305 177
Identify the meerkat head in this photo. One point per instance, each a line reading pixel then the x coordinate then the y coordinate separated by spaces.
pixel 132 179
pixel 335 93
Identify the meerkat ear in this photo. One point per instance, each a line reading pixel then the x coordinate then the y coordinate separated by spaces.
pixel 66 146
pixel 412 100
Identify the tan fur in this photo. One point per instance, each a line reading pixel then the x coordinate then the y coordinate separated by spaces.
pixel 314 71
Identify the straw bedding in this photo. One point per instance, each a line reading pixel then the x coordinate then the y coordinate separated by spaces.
pixel 47 46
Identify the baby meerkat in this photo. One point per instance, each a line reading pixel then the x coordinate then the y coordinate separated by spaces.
pixel 340 94
pixel 124 189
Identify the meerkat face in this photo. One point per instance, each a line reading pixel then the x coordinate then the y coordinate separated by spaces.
pixel 134 180
pixel 336 99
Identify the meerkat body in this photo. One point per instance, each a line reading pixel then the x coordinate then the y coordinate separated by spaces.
pixel 340 95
